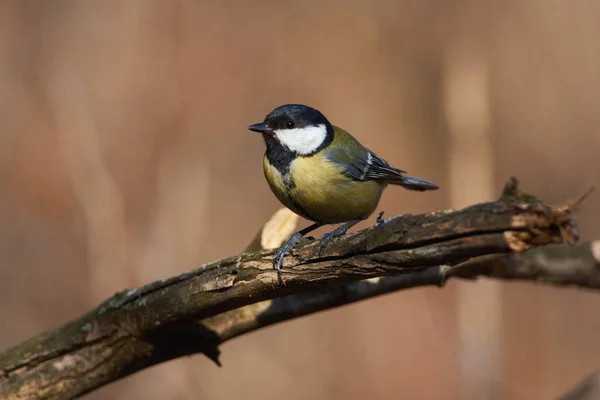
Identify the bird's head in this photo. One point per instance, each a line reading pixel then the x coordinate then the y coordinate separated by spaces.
pixel 297 128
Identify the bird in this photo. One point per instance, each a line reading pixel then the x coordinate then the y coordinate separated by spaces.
pixel 322 173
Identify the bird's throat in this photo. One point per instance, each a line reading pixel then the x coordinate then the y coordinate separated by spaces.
pixel 279 156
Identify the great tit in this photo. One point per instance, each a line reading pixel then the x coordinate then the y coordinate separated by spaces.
pixel 322 173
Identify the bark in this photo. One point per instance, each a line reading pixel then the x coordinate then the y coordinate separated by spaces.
pixel 516 237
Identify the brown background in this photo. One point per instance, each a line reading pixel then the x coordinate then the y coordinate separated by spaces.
pixel 124 158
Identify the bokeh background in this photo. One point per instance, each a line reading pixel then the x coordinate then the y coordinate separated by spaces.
pixel 124 158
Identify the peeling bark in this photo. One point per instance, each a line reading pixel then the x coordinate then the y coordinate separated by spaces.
pixel 514 238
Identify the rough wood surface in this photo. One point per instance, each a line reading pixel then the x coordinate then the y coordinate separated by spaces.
pixel 515 238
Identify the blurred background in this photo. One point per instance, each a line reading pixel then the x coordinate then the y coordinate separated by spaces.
pixel 124 158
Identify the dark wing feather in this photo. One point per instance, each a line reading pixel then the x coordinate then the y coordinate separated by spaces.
pixel 361 164
pixel 378 168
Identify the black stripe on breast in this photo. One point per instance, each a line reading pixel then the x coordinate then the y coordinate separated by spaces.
pixel 278 155
pixel 290 185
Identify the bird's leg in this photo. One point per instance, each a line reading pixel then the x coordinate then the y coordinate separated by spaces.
pixel 337 232
pixel 288 245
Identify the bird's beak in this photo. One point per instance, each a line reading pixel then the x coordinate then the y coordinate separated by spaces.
pixel 261 127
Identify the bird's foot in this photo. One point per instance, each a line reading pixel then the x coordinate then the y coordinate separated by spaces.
pixel 337 232
pixel 288 245
pixel 284 251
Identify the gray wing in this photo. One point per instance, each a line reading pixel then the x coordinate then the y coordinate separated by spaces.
pixel 378 168
pixel 362 164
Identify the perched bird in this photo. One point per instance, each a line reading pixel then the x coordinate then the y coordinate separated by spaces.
pixel 322 173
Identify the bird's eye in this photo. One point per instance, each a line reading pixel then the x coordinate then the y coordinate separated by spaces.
pixel 290 124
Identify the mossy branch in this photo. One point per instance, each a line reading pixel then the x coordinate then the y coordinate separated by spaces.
pixel 195 312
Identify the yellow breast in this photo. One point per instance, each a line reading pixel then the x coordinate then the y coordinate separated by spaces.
pixel 315 189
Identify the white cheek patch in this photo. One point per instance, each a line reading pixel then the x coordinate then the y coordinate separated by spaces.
pixel 302 140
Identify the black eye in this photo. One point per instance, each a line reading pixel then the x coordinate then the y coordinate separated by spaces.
pixel 290 124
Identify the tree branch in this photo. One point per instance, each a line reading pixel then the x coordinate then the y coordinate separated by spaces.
pixel 587 389
pixel 159 321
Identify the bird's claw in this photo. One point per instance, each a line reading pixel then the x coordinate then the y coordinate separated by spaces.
pixel 284 251
pixel 337 232
pixel 326 238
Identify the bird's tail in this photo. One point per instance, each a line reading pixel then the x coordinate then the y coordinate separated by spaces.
pixel 412 183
